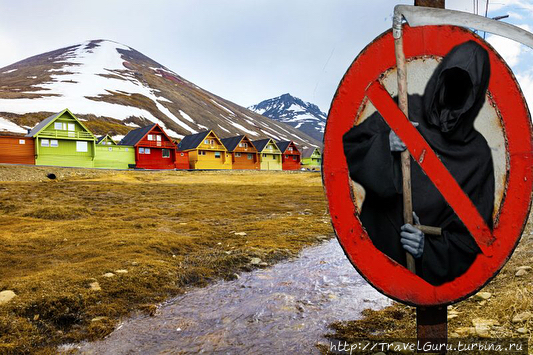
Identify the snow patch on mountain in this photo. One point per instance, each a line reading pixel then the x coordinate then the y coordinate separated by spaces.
pixel 286 108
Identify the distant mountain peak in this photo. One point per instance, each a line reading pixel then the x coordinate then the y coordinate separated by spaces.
pixel 289 109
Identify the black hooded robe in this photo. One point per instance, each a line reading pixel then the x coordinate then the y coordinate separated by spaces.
pixel 446 112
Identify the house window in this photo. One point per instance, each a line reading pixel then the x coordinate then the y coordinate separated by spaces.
pixel 250 156
pixel 290 149
pixel 146 150
pixel 71 127
pixel 238 155
pixel 217 154
pixel 201 152
pixel 58 125
pixel 166 153
pixel 212 141
pixel 81 146
pixel 141 150
pixel 273 157
pixel 109 143
pixel 264 155
pixel 243 145
pixel 294 157
pixel 158 138
pixel 45 143
pixel 22 141
pixel 206 141
pixel 182 154
pixel 54 143
pixel 286 156
pixel 150 137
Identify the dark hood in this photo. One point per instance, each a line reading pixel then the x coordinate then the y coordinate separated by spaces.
pixel 456 91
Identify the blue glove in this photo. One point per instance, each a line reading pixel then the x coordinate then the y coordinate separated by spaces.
pixel 412 238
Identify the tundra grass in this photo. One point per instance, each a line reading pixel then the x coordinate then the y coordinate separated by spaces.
pixel 156 232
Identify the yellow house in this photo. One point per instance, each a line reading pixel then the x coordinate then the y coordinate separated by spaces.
pixel 270 154
pixel 206 151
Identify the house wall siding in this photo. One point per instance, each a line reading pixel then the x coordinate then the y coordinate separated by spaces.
pixel 13 152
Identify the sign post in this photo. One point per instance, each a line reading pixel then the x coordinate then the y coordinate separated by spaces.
pixel 431 322
pixel 365 83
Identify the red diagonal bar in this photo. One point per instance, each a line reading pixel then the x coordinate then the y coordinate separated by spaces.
pixel 429 162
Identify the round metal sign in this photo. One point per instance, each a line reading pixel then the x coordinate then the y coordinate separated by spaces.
pixel 505 124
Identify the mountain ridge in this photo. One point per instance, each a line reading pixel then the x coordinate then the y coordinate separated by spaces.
pixel 305 116
pixel 114 88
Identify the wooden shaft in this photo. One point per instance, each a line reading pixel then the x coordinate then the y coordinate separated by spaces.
pixel 405 156
pixel 430 230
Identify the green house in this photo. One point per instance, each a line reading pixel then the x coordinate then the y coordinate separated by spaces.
pixel 311 158
pixel 62 140
pixel 110 155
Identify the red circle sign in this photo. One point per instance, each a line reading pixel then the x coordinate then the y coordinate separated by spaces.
pixel 383 273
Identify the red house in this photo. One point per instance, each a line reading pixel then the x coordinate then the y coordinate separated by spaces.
pixel 182 160
pixel 290 155
pixel 153 148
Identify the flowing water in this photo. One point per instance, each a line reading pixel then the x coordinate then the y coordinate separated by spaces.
pixel 281 309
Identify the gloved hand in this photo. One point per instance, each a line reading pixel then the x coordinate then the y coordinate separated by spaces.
pixel 396 144
pixel 412 238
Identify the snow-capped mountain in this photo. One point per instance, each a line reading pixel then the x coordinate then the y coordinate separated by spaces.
pixel 115 88
pixel 286 108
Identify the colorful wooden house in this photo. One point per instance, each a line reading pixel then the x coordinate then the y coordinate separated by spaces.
pixel 182 160
pixel 290 155
pixel 311 158
pixel 153 147
pixel 206 151
pixel 110 155
pixel 63 140
pixel 17 150
pixel 243 153
pixel 270 154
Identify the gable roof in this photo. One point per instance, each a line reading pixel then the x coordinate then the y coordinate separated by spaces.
pixel 232 142
pixel 307 152
pixel 99 139
pixel 133 137
pixel 262 143
pixel 48 121
pixel 192 141
pixel 283 145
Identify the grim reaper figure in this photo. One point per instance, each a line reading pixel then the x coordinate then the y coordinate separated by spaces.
pixel 445 117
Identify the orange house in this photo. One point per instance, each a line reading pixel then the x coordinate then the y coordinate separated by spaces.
pixel 17 150
pixel 290 155
pixel 243 152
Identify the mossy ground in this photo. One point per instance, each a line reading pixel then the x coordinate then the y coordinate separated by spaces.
pixel 168 230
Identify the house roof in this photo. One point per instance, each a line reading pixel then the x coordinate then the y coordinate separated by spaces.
pixel 261 144
pixel 307 152
pixel 47 121
pixel 99 139
pixel 192 141
pixel 232 142
pixel 133 137
pixel 283 145
pixel 44 123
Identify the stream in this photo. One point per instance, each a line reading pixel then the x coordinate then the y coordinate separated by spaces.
pixel 284 308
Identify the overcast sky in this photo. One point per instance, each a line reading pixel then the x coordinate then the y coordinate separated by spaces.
pixel 242 50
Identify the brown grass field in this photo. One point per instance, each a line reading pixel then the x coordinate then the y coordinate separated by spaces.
pixel 168 230
pixel 171 230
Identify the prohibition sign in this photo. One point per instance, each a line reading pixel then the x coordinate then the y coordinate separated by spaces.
pixel 360 81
